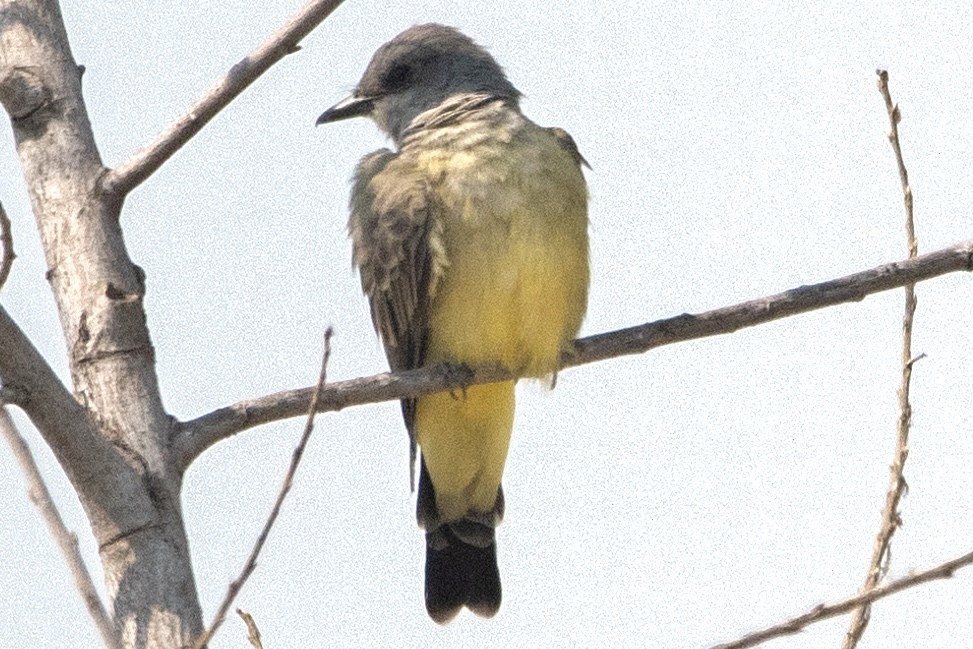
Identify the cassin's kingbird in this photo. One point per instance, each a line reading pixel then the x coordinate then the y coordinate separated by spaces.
pixel 472 244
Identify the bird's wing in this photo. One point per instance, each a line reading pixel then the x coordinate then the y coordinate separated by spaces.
pixel 568 144
pixel 397 248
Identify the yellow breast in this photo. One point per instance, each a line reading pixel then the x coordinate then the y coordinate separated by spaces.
pixel 515 239
pixel 511 288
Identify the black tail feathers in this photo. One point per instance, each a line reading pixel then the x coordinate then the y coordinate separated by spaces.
pixel 461 558
pixel 460 574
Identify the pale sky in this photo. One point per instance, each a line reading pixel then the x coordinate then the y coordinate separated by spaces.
pixel 674 499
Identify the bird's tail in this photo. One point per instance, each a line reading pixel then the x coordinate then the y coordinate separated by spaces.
pixel 461 558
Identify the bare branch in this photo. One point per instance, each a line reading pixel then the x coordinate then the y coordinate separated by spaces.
pixel 66 540
pixel 128 175
pixel 251 563
pixel 891 520
pixel 193 437
pixel 826 611
pixel 894 118
pixel 7 245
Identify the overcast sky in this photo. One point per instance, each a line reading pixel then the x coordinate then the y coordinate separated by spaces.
pixel 674 499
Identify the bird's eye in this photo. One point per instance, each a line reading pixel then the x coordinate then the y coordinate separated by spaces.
pixel 397 77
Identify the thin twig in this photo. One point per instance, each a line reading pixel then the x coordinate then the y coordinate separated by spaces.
pixel 891 519
pixel 128 175
pixel 826 611
pixel 193 437
pixel 7 244
pixel 251 563
pixel 253 633
pixel 66 540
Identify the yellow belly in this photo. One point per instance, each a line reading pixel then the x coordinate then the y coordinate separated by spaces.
pixel 514 292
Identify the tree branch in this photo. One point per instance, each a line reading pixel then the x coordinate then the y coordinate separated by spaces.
pixel 128 175
pixel 88 459
pixel 7 254
pixel 826 611
pixel 193 437
pixel 66 540
pixel 285 488
pixel 30 383
pixel 891 520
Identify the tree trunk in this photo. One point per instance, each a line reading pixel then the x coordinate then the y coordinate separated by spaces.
pixel 112 436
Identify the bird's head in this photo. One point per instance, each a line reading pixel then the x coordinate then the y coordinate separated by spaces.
pixel 418 70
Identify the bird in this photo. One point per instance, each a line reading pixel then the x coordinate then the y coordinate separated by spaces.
pixel 471 242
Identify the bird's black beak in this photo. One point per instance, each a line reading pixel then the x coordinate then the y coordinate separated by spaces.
pixel 350 107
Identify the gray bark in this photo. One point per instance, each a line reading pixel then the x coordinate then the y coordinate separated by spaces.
pixel 111 435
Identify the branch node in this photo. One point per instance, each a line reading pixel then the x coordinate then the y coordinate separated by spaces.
pixel 22 93
pixel 13 395
pixel 915 360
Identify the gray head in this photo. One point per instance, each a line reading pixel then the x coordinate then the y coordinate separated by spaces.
pixel 416 71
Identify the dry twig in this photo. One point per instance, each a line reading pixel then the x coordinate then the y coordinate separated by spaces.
pixel 826 611
pixel 66 540
pixel 253 633
pixel 891 519
pixel 251 563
